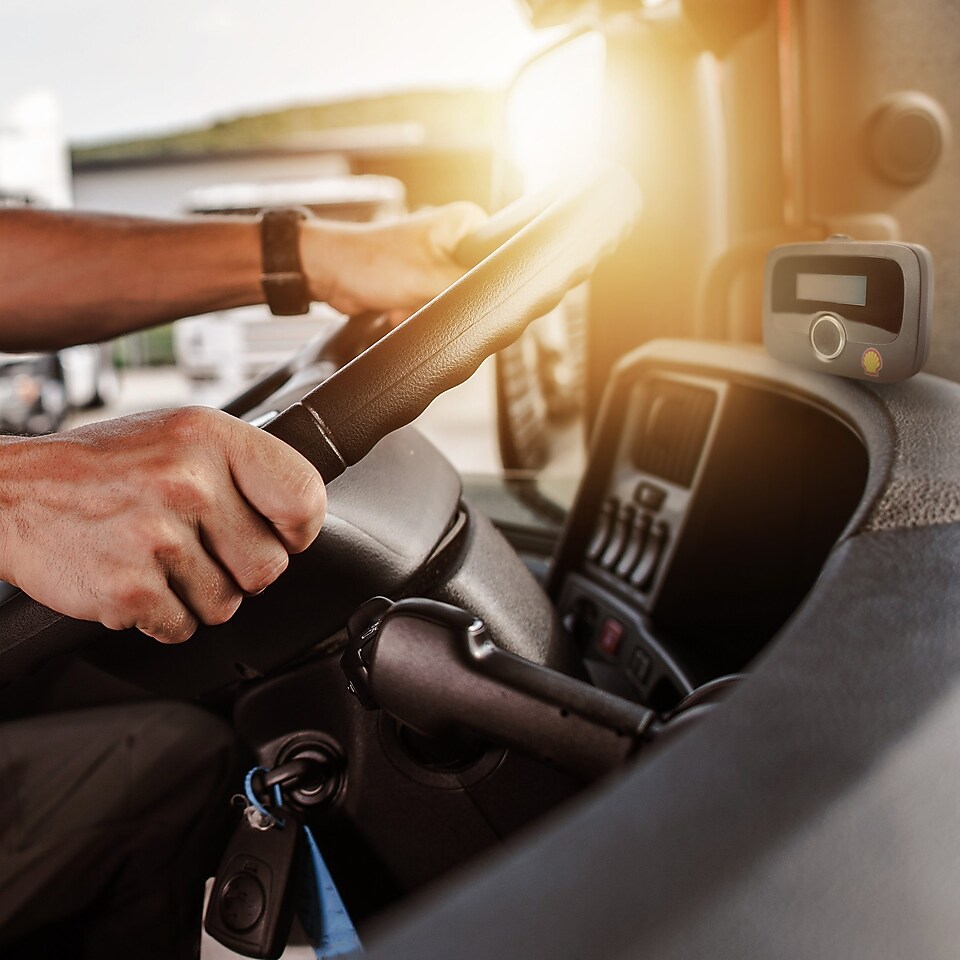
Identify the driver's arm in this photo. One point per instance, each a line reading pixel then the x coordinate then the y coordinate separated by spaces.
pixel 165 520
pixel 69 278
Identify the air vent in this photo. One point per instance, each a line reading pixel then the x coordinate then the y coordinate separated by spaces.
pixel 672 429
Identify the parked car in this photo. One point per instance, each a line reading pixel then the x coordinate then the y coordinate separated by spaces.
pixel 37 390
pixel 32 395
pixel 706 705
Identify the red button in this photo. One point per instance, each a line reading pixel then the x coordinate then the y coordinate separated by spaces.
pixel 611 633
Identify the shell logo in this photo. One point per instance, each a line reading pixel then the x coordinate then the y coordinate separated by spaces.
pixel 871 361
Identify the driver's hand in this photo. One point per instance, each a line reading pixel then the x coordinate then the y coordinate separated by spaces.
pixel 392 267
pixel 156 521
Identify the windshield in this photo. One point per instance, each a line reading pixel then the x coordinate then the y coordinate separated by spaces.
pixel 358 110
pixel 116 69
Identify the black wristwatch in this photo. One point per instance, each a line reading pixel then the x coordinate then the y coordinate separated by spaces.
pixel 283 280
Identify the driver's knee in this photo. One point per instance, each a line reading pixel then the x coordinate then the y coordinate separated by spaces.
pixel 111 820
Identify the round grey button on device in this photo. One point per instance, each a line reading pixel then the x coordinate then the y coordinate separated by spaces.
pixel 827 337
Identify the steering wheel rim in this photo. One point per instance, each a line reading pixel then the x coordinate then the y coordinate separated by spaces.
pixel 393 381
pixel 336 348
pixel 355 334
pixel 441 345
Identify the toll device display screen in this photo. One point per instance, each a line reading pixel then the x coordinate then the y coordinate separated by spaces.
pixel 832 288
pixel 867 290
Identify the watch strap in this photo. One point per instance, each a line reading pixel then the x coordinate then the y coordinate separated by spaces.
pixel 284 283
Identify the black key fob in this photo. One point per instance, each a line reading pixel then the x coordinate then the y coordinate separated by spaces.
pixel 251 906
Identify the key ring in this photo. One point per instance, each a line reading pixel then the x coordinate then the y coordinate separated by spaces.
pixel 270 819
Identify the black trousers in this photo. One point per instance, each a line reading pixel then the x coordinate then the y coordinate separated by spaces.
pixel 111 818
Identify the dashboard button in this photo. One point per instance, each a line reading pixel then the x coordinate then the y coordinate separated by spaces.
pixel 618 538
pixel 649 495
pixel 581 621
pixel 646 569
pixel 639 665
pixel 610 637
pixel 601 536
pixel 636 541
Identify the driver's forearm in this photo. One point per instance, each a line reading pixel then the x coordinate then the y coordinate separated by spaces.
pixel 70 278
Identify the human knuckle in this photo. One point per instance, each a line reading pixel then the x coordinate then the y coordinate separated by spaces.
pixel 308 497
pixel 264 570
pixel 111 618
pixel 185 489
pixel 302 511
pixel 223 608
pixel 299 536
pixel 162 543
pixel 131 599
pixel 176 627
pixel 190 423
pixel 180 634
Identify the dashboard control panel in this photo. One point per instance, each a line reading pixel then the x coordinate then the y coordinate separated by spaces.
pixel 629 542
pixel 666 425
pixel 653 440
pixel 711 499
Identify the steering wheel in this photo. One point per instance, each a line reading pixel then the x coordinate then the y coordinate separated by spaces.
pixel 393 381
pixel 329 350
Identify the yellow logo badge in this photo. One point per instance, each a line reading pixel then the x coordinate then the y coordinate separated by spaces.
pixel 871 361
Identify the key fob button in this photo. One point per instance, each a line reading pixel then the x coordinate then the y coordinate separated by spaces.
pixel 242 902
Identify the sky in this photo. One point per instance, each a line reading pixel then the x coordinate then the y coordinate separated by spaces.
pixel 125 67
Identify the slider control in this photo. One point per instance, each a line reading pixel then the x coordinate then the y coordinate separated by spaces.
pixel 601 536
pixel 618 538
pixel 646 569
pixel 636 541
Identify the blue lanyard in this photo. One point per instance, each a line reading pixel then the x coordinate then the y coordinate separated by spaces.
pixel 323 914
pixel 319 905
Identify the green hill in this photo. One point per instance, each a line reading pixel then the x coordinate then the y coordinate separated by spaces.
pixel 445 114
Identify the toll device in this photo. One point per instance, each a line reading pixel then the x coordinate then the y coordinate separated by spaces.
pixel 859 309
